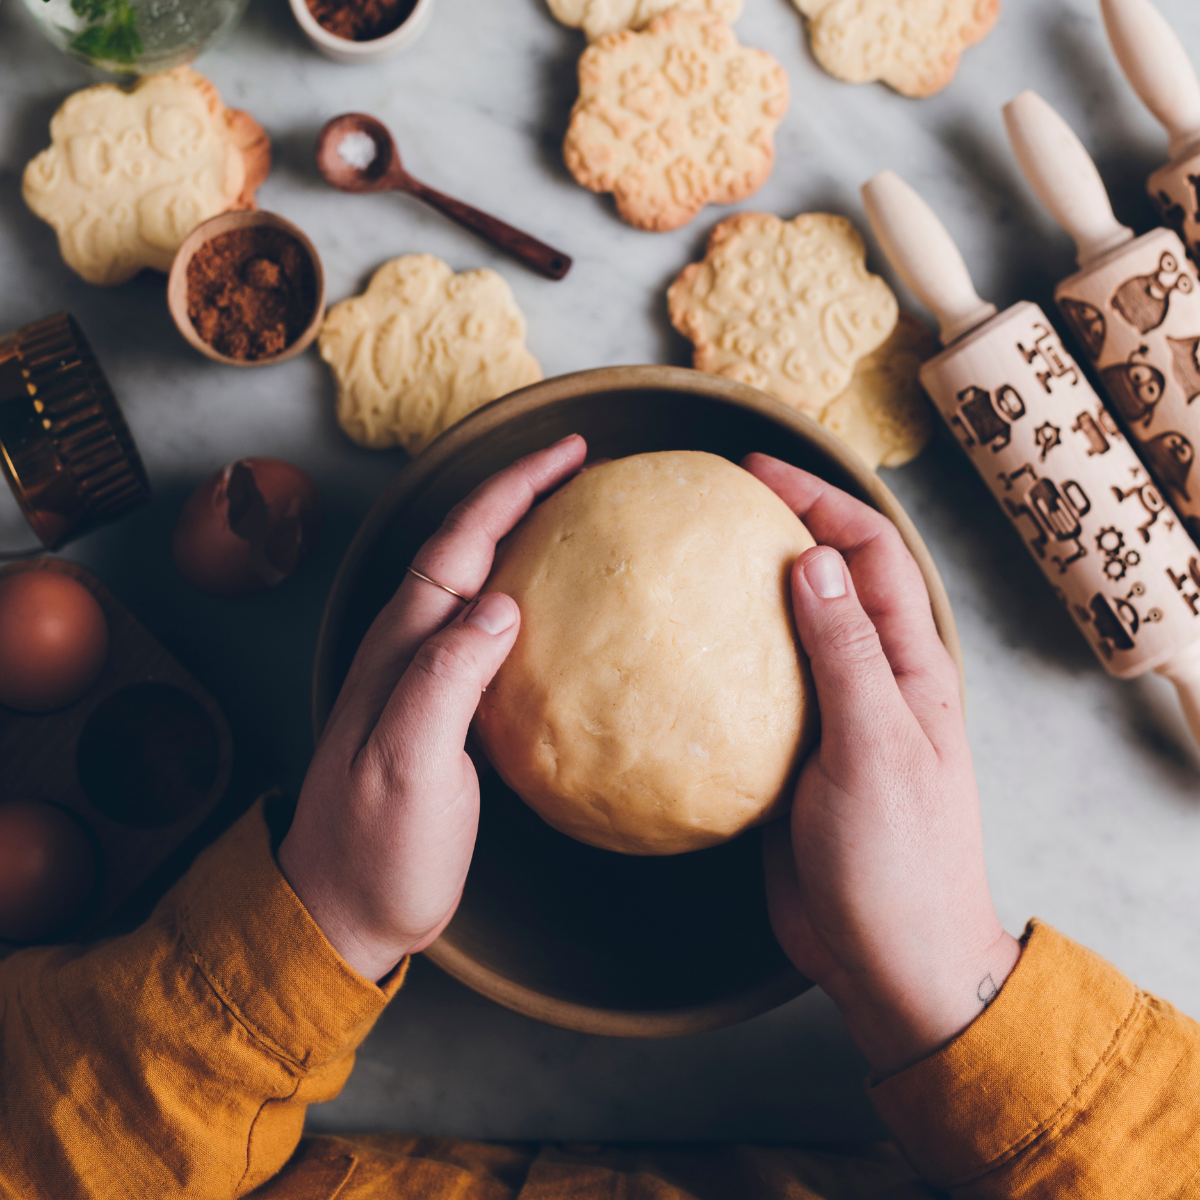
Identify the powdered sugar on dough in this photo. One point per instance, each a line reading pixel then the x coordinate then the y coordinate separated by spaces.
pixel 786 306
pixel 421 348
pixel 599 17
pixel 674 118
pixel 129 174
pixel 913 46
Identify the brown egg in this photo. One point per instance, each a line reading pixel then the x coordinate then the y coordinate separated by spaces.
pixel 247 528
pixel 47 870
pixel 53 640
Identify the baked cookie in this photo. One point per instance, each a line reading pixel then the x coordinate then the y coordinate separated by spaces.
pixel 675 117
pixel 884 415
pixel 786 306
pixel 129 174
pixel 911 45
pixel 599 17
pixel 421 348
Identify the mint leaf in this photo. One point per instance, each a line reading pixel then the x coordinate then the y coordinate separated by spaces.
pixel 92 10
pixel 113 40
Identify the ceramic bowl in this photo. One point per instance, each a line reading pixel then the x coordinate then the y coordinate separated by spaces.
pixel 583 938
pixel 177 284
pixel 344 50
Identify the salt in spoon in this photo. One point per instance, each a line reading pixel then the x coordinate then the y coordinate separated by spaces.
pixel 357 153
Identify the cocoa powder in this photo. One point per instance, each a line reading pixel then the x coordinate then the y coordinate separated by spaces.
pixel 251 292
pixel 361 20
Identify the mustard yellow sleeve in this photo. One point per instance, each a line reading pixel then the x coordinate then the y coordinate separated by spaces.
pixel 178 1060
pixel 1072 1083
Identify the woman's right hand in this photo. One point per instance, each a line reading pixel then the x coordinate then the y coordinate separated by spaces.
pixel 877 887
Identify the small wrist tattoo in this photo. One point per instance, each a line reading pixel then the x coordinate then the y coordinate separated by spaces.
pixel 987 990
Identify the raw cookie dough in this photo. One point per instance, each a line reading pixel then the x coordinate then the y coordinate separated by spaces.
pixel 598 17
pixel 421 348
pixel 786 306
pixel 657 699
pixel 673 118
pixel 884 415
pixel 911 45
pixel 129 174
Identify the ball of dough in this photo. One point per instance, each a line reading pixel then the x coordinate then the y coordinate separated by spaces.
pixel 657 699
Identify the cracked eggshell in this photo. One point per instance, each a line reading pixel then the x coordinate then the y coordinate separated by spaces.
pixel 247 528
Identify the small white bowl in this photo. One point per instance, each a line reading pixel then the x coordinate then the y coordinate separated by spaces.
pixel 344 50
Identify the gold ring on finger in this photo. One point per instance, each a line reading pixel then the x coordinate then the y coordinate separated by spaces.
pixel 414 571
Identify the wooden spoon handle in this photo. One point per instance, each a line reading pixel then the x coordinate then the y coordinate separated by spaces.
pixel 537 256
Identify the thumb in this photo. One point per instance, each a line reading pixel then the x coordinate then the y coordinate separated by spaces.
pixel 856 688
pixel 424 724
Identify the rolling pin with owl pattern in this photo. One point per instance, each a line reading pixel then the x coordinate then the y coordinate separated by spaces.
pixel 1054 458
pixel 1158 68
pixel 1134 307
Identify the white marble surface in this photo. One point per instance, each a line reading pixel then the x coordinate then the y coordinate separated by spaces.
pixel 1091 788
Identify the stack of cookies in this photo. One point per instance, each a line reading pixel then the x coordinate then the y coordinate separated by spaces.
pixel 790 308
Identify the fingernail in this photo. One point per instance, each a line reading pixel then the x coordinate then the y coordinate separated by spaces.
pixel 825 576
pixel 493 614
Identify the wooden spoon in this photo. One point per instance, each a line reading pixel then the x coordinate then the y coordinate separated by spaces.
pixel 345 160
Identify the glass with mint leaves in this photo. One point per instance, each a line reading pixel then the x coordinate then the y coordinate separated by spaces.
pixel 134 37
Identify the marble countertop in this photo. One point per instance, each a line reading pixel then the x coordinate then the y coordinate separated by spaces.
pixel 1090 787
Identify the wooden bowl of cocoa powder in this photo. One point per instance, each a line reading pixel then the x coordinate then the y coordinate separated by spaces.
pixel 247 289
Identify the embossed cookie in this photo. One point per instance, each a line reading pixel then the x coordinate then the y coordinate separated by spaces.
pixel 421 348
pixel 129 174
pixel 674 118
pixel 911 45
pixel 599 17
pixel 786 306
pixel 884 415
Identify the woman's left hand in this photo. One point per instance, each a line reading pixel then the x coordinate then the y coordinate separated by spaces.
pixel 385 825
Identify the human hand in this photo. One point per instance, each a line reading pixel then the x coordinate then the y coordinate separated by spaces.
pixel 385 825
pixel 878 891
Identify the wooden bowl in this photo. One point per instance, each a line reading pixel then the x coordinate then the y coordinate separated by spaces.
pixel 578 937
pixel 177 283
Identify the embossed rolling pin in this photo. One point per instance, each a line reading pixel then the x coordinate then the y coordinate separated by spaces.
pixel 1040 437
pixel 1158 67
pixel 1134 305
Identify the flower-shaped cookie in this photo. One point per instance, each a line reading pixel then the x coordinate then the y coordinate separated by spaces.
pixel 786 306
pixel 674 118
pixel 911 45
pixel 599 17
pixel 421 348
pixel 884 415
pixel 129 174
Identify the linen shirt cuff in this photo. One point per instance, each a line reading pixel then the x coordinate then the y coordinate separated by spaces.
pixel 266 958
pixel 983 1098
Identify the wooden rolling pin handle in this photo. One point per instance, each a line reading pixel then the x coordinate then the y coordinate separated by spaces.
pixel 1158 67
pixel 1184 673
pixel 924 255
pixel 1061 172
